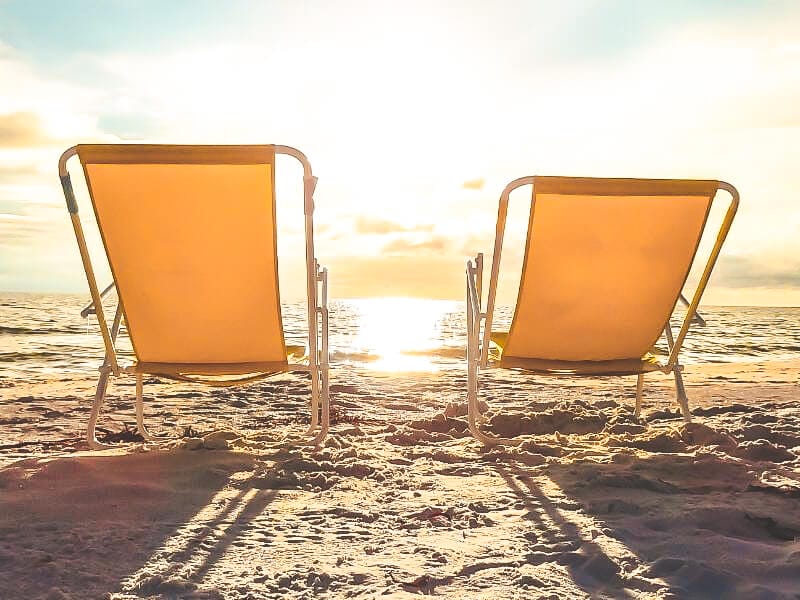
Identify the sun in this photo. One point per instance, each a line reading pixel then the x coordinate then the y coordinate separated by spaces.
pixel 400 334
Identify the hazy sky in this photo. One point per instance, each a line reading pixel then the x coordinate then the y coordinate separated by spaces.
pixel 414 115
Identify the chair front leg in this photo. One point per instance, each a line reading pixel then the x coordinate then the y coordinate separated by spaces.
pixel 99 398
pixel 140 412
pixel 474 415
pixel 683 400
pixel 314 402
pixel 324 363
pixel 639 390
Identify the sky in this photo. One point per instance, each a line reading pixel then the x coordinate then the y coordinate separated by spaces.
pixel 414 116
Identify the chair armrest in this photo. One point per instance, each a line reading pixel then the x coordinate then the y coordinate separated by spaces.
pixel 697 318
pixel 473 298
pixel 89 309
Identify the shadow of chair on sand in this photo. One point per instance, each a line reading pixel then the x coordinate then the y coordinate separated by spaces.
pixel 690 526
pixel 152 523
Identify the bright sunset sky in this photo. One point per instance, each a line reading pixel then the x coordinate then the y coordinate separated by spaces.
pixel 414 116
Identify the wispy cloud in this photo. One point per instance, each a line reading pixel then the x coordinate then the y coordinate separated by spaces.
pixel 14 228
pixel 21 130
pixel 758 271
pixel 396 276
pixel 406 247
pixel 367 226
pixel 18 172
pixel 474 184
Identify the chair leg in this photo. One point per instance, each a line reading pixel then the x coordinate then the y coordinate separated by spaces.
pixel 314 405
pixel 324 369
pixel 326 410
pixel 639 389
pixel 140 412
pixel 474 416
pixel 99 397
pixel 480 416
pixel 680 389
pixel 683 401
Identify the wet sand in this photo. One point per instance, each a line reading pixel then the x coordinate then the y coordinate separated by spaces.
pixel 401 501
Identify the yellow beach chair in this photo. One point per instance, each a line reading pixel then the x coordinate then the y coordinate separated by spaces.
pixel 605 264
pixel 190 235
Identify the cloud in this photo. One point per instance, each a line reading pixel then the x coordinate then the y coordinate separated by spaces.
pixel 439 277
pixel 21 130
pixel 410 247
pixel 13 173
pixel 471 244
pixel 129 125
pixel 746 272
pixel 474 184
pixel 367 226
pixel 40 115
pixel 14 228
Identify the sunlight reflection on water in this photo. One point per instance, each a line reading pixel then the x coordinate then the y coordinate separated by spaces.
pixel 402 334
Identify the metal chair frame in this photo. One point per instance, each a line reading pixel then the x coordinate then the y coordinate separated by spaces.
pixel 479 321
pixel 317 307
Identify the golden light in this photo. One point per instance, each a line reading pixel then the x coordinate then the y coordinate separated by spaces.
pixel 400 334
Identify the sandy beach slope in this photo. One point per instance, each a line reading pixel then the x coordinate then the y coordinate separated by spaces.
pixel 401 502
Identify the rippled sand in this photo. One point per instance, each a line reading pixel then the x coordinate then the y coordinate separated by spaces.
pixel 401 501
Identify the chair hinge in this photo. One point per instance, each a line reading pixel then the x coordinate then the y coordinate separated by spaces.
pixel 69 195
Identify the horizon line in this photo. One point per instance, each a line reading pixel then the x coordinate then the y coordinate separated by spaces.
pixel 361 298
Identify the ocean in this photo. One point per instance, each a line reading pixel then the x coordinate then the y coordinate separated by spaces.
pixel 42 336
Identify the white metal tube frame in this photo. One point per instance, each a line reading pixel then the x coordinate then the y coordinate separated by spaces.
pixel 318 362
pixel 479 323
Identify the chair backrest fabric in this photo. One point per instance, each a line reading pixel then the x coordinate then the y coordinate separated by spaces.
pixel 605 262
pixel 190 236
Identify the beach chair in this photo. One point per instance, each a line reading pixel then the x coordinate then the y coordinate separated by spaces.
pixel 605 264
pixel 190 236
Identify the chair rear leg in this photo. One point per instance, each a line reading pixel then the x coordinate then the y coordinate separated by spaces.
pixel 680 389
pixel 314 404
pixel 474 416
pixel 325 422
pixel 324 367
pixel 480 416
pixel 140 412
pixel 473 410
pixel 639 390
pixel 99 398
pixel 683 401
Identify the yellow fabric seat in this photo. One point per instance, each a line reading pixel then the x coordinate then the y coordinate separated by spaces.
pixel 589 368
pixel 219 373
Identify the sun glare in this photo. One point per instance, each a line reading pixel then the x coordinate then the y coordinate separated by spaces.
pixel 400 334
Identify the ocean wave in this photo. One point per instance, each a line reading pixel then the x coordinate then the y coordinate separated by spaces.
pixel 10 330
pixel 21 330
pixel 352 356
pixel 348 355
pixel 28 356
pixel 456 352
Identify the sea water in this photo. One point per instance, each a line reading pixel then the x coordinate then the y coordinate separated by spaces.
pixel 43 335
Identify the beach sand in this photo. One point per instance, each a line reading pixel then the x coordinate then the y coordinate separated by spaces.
pixel 401 501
